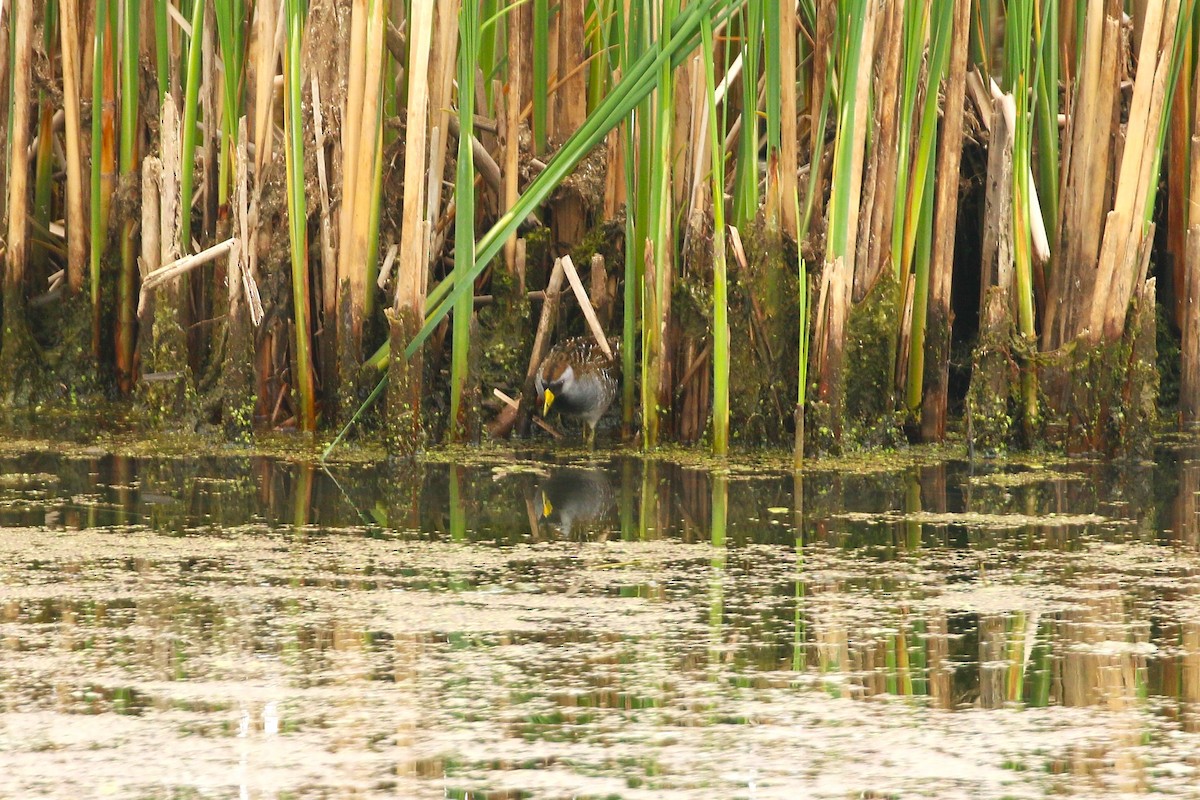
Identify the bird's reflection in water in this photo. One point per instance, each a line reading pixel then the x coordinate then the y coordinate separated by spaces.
pixel 574 500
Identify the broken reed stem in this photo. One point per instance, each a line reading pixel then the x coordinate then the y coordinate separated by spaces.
pixel 541 339
pixel 585 305
pixel 182 266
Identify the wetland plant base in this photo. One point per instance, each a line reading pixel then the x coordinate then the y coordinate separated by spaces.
pixel 1103 398
pixel 404 430
pixel 167 389
pixel 763 345
pixel 867 415
pixel 21 365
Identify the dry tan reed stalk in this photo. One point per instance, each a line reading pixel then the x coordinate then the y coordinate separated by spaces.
pixel 1039 240
pixel 151 217
pixel 352 121
pixel 585 305
pixel 328 263
pixel 602 297
pixel 268 30
pixel 1124 274
pixel 410 281
pixel 18 177
pixel 699 148
pixel 941 268
pixel 689 106
pixel 875 239
pixel 614 182
pixel 76 227
pixel 569 109
pixel 364 177
pixel 541 341
pixel 1176 177
pixel 541 338
pixel 186 264
pixel 385 271
pixel 1189 377
pixel 997 248
pixel 169 200
pixel 435 227
pixel 572 101
pixel 238 203
pixel 442 70
pixel 1085 191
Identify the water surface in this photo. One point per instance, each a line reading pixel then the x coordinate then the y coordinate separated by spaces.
pixel 607 628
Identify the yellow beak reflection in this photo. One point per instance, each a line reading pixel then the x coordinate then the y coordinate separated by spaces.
pixel 547 508
pixel 547 401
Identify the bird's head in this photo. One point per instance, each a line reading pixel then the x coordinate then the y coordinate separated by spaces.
pixel 557 378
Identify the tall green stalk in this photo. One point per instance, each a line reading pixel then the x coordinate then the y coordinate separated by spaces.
pixel 638 143
pixel 802 371
pixel 920 298
pixel 191 109
pixel 926 144
pixel 838 239
pixel 1019 22
pixel 655 292
pixel 231 39
pixel 1046 113
pixel 464 199
pixel 773 107
pixel 126 300
pixel 162 52
pixel 297 210
pixel 99 198
pixel 918 215
pixel 541 72
pixel 915 22
pixel 745 186
pixel 720 333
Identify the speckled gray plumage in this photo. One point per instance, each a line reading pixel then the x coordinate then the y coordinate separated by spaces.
pixel 583 380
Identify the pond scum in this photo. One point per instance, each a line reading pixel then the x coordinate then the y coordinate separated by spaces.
pixel 251 213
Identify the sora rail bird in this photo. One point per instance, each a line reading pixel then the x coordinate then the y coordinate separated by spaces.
pixel 579 380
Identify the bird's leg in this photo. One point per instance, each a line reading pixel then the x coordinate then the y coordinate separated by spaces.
pixel 589 436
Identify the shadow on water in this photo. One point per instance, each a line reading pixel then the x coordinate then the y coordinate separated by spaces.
pixel 613 628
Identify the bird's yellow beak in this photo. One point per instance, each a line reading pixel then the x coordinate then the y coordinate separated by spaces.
pixel 547 508
pixel 547 401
